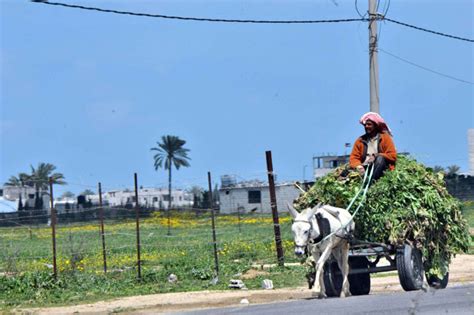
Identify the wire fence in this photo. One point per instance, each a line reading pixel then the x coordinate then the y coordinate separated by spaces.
pixel 26 245
pixel 91 238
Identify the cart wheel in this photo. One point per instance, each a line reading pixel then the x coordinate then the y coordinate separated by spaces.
pixel 438 283
pixel 410 268
pixel 332 279
pixel 359 282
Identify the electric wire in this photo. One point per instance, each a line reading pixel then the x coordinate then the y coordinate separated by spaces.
pixel 220 20
pixel 428 30
pixel 198 19
pixel 425 68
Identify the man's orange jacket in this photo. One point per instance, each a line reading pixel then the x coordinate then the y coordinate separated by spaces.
pixel 386 148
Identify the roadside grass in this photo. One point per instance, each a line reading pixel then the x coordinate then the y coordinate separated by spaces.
pixel 26 278
pixel 468 214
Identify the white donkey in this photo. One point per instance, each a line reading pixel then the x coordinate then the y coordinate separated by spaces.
pixel 307 234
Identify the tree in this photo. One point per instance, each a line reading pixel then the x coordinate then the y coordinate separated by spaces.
pixel 22 180
pixel 437 169
pixel 40 178
pixel 67 194
pixel 87 192
pixel 452 170
pixel 170 152
pixel 197 195
pixel 41 174
pixel 215 195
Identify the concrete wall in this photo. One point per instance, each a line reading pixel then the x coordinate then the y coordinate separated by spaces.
pixel 233 199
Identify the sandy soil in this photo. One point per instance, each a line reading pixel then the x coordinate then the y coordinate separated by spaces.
pixel 461 272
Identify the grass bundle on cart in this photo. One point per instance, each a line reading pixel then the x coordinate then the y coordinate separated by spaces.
pixel 407 205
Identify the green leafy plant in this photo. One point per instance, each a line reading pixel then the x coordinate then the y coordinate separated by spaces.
pixel 409 204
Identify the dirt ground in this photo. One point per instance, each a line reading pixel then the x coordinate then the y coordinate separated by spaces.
pixel 461 272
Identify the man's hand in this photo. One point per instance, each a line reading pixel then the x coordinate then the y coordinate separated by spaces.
pixel 371 159
pixel 360 169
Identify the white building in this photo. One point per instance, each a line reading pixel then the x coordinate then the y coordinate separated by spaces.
pixel 255 197
pixel 147 197
pixel 13 193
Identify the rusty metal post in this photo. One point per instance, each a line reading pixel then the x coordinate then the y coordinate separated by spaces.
pixel 139 267
pixel 53 226
pixel 102 234
pixel 214 240
pixel 273 203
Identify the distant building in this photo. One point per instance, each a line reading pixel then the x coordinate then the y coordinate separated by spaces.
pixel 14 192
pixel 254 196
pixel 147 197
pixel 326 163
pixel 28 196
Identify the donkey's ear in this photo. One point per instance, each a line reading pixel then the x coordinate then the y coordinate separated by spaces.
pixel 292 210
pixel 311 212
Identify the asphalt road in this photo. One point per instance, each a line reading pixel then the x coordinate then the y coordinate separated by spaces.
pixel 452 300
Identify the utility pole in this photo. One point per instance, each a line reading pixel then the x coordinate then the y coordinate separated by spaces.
pixel 373 59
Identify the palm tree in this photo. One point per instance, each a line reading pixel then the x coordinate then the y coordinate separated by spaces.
pixel 437 169
pixel 22 180
pixel 170 152
pixel 40 177
pixel 452 170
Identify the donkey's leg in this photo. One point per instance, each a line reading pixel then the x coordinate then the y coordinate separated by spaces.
pixel 319 282
pixel 343 262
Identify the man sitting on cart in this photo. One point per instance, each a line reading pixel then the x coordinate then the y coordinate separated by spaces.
pixel 374 147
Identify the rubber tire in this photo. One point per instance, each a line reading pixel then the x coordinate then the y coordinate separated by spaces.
pixel 437 283
pixel 359 284
pixel 332 279
pixel 410 268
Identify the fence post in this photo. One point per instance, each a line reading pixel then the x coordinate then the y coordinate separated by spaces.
pixel 214 240
pixel 53 226
pixel 137 215
pixel 273 203
pixel 102 234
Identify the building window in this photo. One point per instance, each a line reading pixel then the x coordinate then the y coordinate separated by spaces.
pixel 167 198
pixel 255 196
pixel 155 199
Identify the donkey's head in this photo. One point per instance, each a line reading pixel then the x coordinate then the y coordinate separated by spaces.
pixel 302 227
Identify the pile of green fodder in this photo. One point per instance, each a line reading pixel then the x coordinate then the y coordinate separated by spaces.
pixel 407 205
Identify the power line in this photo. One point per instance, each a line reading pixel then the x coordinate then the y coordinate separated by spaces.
pixel 425 68
pixel 427 30
pixel 197 18
pixel 362 19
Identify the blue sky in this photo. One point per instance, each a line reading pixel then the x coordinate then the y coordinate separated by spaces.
pixel 92 92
